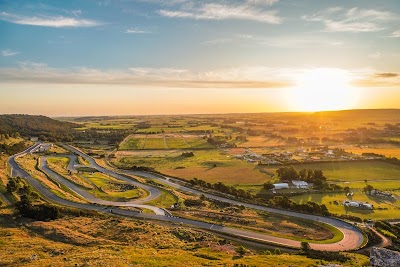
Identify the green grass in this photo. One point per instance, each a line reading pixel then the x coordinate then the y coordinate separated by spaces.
pixel 176 142
pixel 104 183
pixel 353 171
pixel 154 143
pixel 165 200
pixel 132 143
pixel 61 161
pixel 389 210
pixel 228 170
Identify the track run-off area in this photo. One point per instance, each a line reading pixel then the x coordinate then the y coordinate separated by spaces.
pixel 352 237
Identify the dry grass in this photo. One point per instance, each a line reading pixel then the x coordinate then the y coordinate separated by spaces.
pixel 87 241
pixel 59 165
pixel 28 163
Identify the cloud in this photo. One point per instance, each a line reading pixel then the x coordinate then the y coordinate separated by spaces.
pixel 375 55
pixel 8 53
pixel 338 19
pixel 136 30
pixel 395 34
pixel 76 12
pixel 222 11
pixel 371 78
pixel 288 41
pixel 48 21
pixel 263 2
pixel 244 77
pixel 386 75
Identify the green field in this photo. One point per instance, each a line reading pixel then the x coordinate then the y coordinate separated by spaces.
pixel 383 209
pixel 352 171
pixel 154 143
pixel 105 186
pixel 176 142
pixel 165 200
pixel 132 143
pixel 210 165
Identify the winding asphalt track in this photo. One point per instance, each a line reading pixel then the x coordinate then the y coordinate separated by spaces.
pixel 89 197
pixel 352 236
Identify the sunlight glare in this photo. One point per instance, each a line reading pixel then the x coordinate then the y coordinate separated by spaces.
pixel 322 89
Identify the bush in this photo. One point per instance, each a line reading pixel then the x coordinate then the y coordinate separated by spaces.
pixel 40 212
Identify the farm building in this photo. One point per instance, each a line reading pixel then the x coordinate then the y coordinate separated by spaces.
pixel 356 204
pixel 281 186
pixel 300 184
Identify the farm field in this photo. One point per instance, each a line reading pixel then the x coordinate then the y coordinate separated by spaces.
pixel 156 141
pixel 387 150
pixel 175 142
pixel 389 210
pixel 353 170
pixel 133 142
pixel 209 165
pixel 260 141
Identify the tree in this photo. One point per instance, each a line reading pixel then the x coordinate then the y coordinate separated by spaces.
pixel 368 188
pixel 12 185
pixel 268 186
pixel 241 251
pixel 305 246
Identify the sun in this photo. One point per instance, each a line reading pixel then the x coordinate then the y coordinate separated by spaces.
pixel 322 89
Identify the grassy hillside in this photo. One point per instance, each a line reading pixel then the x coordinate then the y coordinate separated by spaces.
pixel 103 241
pixel 34 125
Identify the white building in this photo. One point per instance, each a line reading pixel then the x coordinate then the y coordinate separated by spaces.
pixel 281 186
pixel 300 184
pixel 355 204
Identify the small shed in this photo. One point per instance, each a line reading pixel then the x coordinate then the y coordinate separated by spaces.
pixel 281 186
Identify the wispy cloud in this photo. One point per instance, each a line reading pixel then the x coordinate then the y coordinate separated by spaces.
pixel 136 30
pixel 244 77
pixel 251 77
pixel 48 21
pixel 224 10
pixel 339 19
pixel 375 55
pixel 289 41
pixel 8 53
pixel 372 78
pixel 387 75
pixel 395 34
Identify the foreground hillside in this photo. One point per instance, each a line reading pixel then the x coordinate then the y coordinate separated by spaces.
pixel 105 241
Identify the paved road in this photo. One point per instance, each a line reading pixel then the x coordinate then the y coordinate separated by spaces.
pixel 153 191
pixel 352 237
pixel 89 197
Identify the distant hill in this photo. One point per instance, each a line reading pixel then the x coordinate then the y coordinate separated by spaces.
pixel 360 116
pixel 32 125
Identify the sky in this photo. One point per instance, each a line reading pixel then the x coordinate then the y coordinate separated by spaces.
pixel 128 57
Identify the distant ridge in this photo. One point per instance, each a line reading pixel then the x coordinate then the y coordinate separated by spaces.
pixel 33 125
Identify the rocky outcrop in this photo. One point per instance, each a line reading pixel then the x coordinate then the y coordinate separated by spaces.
pixel 382 257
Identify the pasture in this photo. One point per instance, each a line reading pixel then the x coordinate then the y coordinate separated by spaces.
pixel 383 209
pixel 351 170
pixel 163 141
pixel 210 165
